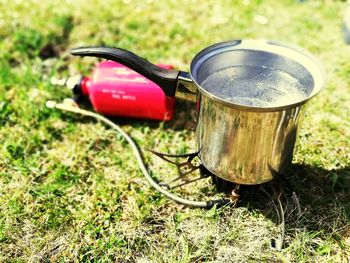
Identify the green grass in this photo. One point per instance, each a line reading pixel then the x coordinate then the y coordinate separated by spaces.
pixel 70 189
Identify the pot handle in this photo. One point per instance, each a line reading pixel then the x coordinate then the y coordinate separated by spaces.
pixel 166 79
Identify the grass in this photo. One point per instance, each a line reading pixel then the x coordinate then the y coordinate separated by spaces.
pixel 70 189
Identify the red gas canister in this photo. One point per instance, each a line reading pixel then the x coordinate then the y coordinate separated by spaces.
pixel 114 89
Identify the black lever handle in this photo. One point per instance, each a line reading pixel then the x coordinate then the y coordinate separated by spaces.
pixel 166 79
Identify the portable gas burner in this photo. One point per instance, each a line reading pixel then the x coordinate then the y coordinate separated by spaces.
pixel 279 193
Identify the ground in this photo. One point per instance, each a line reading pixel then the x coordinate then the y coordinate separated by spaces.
pixel 70 188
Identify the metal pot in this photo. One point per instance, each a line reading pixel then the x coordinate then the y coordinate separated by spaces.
pixel 238 143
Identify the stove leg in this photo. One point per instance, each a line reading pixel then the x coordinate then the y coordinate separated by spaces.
pixel 234 196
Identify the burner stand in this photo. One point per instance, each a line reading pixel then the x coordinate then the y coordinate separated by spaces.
pixel 276 190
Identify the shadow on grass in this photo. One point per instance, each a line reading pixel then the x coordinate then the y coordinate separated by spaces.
pixel 324 198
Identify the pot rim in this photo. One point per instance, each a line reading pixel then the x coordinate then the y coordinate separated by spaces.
pixel 304 58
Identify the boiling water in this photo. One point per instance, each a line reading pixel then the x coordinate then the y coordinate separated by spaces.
pixel 255 86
